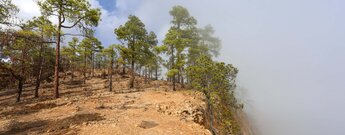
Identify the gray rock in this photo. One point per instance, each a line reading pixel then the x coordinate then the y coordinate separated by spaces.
pixel 148 124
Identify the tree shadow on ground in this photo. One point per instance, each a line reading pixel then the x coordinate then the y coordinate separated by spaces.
pixel 60 126
pixel 21 109
pixel 15 127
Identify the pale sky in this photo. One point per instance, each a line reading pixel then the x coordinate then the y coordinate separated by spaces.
pixel 290 53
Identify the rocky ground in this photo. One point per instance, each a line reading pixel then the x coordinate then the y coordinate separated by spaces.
pixel 148 109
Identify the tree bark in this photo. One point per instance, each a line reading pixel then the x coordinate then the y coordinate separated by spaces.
pixel 123 69
pixel 93 65
pixel 172 67
pixel 111 73
pixel 57 59
pixel 156 73
pixel 39 72
pixel 145 74
pixel 211 117
pixel 131 82
pixel 150 74
pixel 21 76
pixel 210 111
pixel 84 73
pixel 72 73
pixel 178 76
pixel 73 64
pixel 20 89
pixel 182 81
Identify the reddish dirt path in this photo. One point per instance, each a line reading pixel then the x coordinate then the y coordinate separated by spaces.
pixel 150 109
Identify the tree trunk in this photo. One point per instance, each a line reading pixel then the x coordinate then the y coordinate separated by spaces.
pixel 140 72
pixel 174 81
pixel 93 65
pixel 150 74
pixel 145 74
pixel 21 76
pixel 187 81
pixel 84 74
pixel 98 63
pixel 73 64
pixel 211 117
pixel 111 74
pixel 182 81
pixel 39 72
pixel 210 111
pixel 124 69
pixel 57 60
pixel 131 82
pixel 72 73
pixel 20 89
pixel 172 67
pixel 178 77
pixel 156 73
pixel 38 81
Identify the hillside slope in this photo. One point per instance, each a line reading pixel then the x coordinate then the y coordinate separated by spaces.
pixel 149 109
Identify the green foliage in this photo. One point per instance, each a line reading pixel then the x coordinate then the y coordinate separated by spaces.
pixel 110 52
pixel 121 61
pixel 204 44
pixel 74 12
pixel 77 12
pixel 88 46
pixel 41 25
pixel 21 46
pixel 139 43
pixel 181 17
pixel 91 44
pixel 217 81
pixel 172 72
pixel 179 37
pixel 133 34
pixel 46 31
pixel 151 58
pixel 7 12
pixel 160 49
pixel 71 51
pixel 185 45
pixel 19 54
pixel 209 44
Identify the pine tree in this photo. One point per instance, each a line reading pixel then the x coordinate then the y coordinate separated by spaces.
pixel 77 12
pixel 87 48
pixel 133 34
pixel 217 81
pixel 206 44
pixel 18 50
pixel 178 38
pixel 111 54
pixel 70 52
pixel 149 58
pixel 45 29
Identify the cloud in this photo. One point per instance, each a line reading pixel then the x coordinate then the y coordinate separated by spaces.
pixel 28 9
pixel 289 53
pixel 111 20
